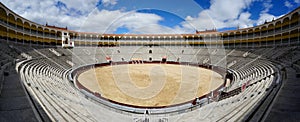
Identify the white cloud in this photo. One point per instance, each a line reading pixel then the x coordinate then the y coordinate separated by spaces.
pixel 297 1
pixel 105 21
pixel 244 20
pixel 266 17
pixel 140 23
pixel 98 21
pixel 109 2
pixel 72 15
pixel 201 22
pixel 84 6
pixel 267 6
pixel 222 14
pixel 288 4
pixel 42 11
pixel 225 9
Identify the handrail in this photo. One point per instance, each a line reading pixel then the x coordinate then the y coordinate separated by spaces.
pixel 186 106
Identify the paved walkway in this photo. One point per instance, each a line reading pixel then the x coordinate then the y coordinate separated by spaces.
pixel 286 107
pixel 14 104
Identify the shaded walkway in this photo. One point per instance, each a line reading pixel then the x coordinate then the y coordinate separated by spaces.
pixel 14 104
pixel 286 107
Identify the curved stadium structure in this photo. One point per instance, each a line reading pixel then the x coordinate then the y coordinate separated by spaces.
pixel 259 66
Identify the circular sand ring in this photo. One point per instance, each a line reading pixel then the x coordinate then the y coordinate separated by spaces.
pixel 84 83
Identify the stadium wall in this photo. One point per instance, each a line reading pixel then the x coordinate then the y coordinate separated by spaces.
pixel 282 31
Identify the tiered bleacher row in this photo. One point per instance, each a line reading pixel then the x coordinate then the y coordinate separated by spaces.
pixel 47 82
pixel 46 77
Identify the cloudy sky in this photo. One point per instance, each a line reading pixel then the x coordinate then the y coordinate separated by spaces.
pixel 151 16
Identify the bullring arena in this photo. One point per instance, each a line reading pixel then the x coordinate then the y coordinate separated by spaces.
pixel 150 85
pixel 50 73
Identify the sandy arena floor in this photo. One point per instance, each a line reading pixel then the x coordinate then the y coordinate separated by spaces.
pixel 150 84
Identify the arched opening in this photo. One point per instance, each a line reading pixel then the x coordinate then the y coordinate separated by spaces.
pixel 11 34
pixel 286 23
pixel 294 19
pixel 3 32
pixel 26 27
pixel 285 38
pixel 59 37
pixel 277 26
pixel 237 39
pixel 264 31
pixel 271 29
pixel 3 15
pixel 47 36
pixel 225 36
pixel 19 37
pixel 294 36
pixel 256 41
pixel 19 24
pixel 33 37
pixel 250 35
pixel 52 37
pixel 244 39
pixel 40 34
pixel 11 20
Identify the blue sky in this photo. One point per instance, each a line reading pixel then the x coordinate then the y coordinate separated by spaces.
pixel 151 16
